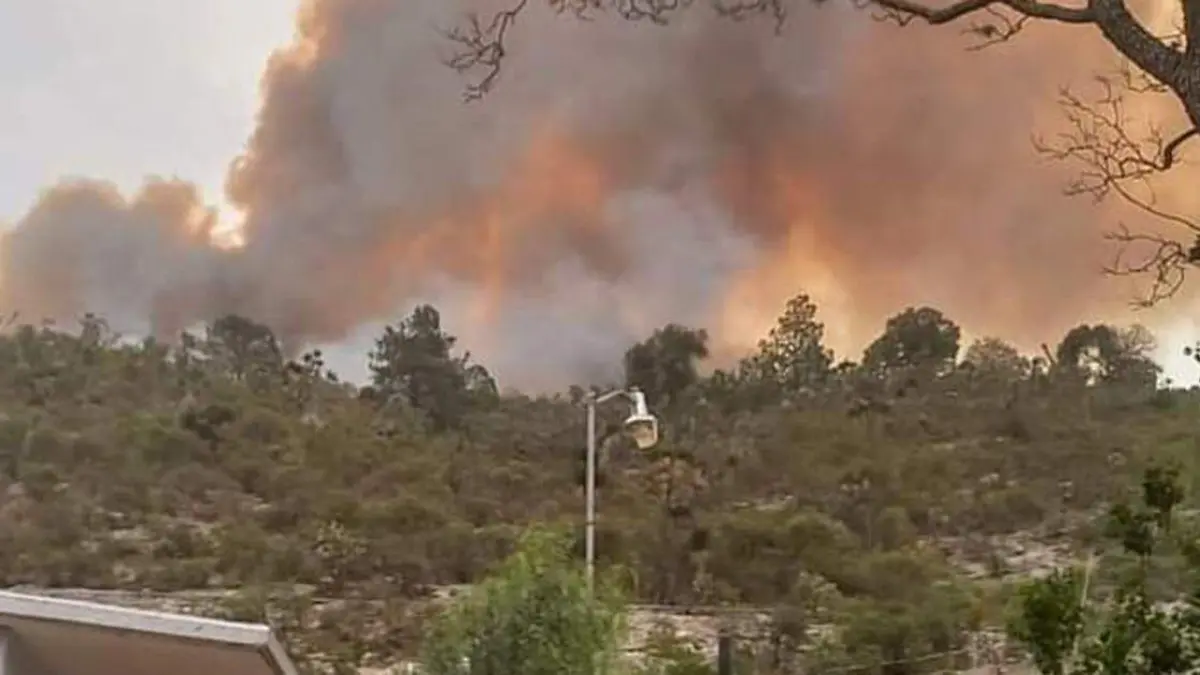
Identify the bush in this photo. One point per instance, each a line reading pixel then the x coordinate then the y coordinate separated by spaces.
pixel 534 616
pixel 1130 633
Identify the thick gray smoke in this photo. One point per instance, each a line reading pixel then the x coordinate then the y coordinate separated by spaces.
pixel 621 176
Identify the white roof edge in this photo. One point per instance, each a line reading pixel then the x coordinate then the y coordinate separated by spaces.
pixel 110 617
pixel 278 658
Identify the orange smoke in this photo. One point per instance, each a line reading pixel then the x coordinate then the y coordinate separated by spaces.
pixel 620 177
pixel 927 190
pixel 803 260
pixel 553 191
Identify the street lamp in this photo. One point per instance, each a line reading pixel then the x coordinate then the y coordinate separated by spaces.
pixel 642 427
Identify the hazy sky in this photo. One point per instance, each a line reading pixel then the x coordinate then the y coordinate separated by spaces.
pixel 120 89
pixel 123 89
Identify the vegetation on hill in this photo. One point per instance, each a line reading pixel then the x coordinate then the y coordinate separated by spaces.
pixel 1132 631
pixel 833 492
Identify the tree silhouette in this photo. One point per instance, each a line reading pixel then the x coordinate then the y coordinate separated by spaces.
pixel 414 361
pixel 245 347
pixel 915 338
pixel 793 356
pixel 1102 352
pixel 992 357
pixel 664 366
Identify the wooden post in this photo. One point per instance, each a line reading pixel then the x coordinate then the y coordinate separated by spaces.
pixel 12 661
pixel 7 667
pixel 724 653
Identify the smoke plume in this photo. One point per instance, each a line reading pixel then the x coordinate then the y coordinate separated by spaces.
pixel 621 176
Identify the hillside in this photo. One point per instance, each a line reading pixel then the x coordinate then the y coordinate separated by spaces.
pixel 895 497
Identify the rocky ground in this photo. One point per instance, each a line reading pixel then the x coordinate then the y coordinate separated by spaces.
pixel 317 632
pixel 699 628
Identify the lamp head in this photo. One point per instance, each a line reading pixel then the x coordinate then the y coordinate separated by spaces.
pixel 641 425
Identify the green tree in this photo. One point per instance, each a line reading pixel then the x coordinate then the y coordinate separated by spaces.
pixel 534 616
pixel 1104 353
pixel 994 358
pixel 1051 619
pixel 244 347
pixel 793 357
pixel 664 366
pixel 415 362
pixel 1132 633
pixel 915 338
pixel 913 613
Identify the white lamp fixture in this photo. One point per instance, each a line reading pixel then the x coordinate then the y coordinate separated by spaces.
pixel 641 425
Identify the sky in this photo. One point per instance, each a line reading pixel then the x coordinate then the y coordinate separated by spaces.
pixel 123 89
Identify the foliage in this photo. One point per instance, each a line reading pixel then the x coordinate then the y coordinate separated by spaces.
pixel 413 360
pixel 913 610
pixel 1103 352
pixel 994 358
pixel 793 356
pixel 1051 619
pixel 535 616
pixel 664 365
pixel 1131 633
pixel 216 461
pixel 915 338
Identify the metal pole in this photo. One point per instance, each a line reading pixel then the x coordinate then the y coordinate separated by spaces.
pixel 590 497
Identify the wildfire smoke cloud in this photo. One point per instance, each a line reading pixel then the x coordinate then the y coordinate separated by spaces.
pixel 622 176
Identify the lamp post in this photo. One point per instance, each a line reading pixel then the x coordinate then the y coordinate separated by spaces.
pixel 642 426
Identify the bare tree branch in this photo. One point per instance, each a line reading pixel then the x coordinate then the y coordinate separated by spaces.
pixel 1136 81
pixel 1165 260
pixel 1160 60
pixel 654 11
pixel 1116 161
pixel 1168 153
pixel 744 9
pixel 481 47
pixel 1191 29
pixel 1112 159
pixel 1173 61
pixel 1002 27
pixel 904 11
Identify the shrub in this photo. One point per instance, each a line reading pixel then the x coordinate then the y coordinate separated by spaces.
pixel 534 616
